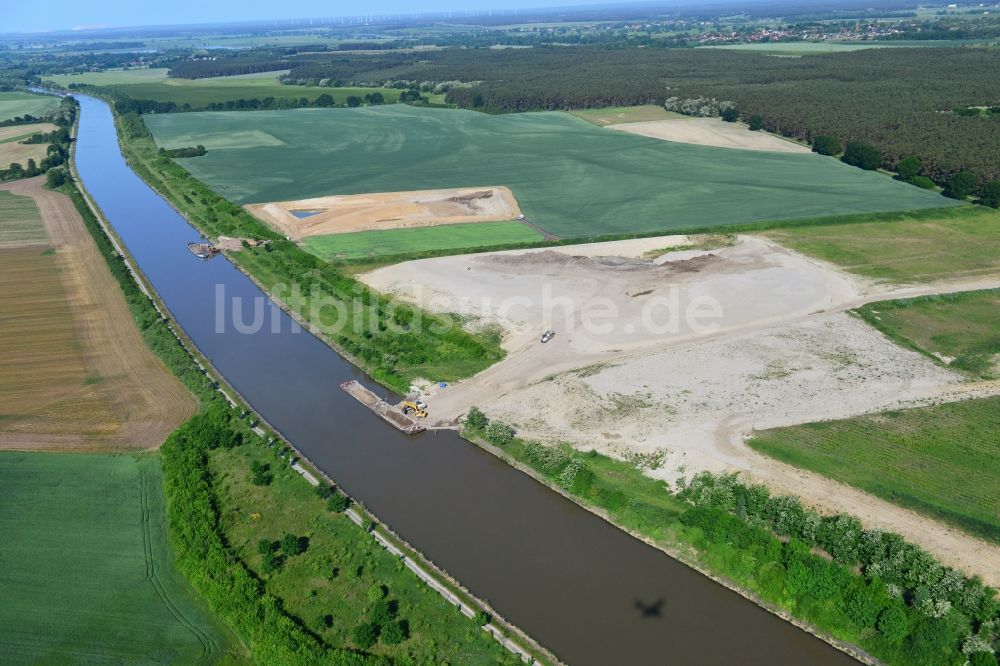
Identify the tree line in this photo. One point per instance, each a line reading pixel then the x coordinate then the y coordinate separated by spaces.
pixel 56 154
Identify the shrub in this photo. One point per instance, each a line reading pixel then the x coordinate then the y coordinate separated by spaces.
pixel 376 592
pixel 292 545
pixel 383 611
pixel 365 635
pixel 395 633
pixel 324 491
pixel 923 182
pixel 991 194
pixel 338 503
pixel 908 168
pixel 960 185
pixel 862 155
pixel 893 623
pixel 827 145
pixel 755 123
pixel 481 618
pixel 547 459
pixel 265 547
pixel 270 563
pixel 499 433
pixel 475 419
pixel 261 473
pixel 56 177
pixel 730 114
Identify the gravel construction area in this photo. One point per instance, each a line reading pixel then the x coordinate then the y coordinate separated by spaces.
pixel 388 210
pixel 711 132
pixel 606 298
pixel 780 349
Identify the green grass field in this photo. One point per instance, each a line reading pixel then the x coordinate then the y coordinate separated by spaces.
pixel 154 84
pixel 86 576
pixel 943 461
pixel 571 178
pixel 20 221
pixel 920 247
pixel 13 104
pixel 420 239
pixel 111 77
pixel 335 573
pixel 964 327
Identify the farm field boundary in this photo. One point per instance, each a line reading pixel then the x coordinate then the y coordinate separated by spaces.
pixel 960 330
pixel 570 178
pixel 95 540
pixel 14 104
pixel 77 373
pixel 912 247
pixel 940 460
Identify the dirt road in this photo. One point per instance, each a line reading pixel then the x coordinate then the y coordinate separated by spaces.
pixel 147 402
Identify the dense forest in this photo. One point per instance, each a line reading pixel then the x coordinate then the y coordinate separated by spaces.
pixel 899 100
pixel 208 67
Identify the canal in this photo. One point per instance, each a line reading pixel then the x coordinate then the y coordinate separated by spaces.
pixel 583 588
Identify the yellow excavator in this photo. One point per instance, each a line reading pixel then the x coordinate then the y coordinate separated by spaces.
pixel 415 408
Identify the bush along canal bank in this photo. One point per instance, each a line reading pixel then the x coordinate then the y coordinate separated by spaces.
pixel 867 592
pixel 443 617
pixel 584 588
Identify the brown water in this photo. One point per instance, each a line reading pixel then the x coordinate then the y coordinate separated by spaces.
pixel 583 588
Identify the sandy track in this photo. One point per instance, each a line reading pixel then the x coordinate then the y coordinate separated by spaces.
pixel 147 401
pixel 711 132
pixel 787 352
pixel 388 210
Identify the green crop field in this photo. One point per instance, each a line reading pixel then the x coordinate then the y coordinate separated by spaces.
pixel 420 239
pixel 571 178
pixel 920 247
pixel 86 575
pixel 153 84
pixel 943 461
pixel 13 104
pixel 963 328
pixel 111 77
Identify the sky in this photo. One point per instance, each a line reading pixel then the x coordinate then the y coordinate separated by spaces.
pixel 20 16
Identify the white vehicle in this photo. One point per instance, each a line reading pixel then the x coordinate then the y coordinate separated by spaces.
pixel 548 335
pixel 520 217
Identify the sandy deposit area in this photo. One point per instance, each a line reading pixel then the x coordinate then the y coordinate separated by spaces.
pixel 388 210
pixel 783 350
pixel 605 299
pixel 711 132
